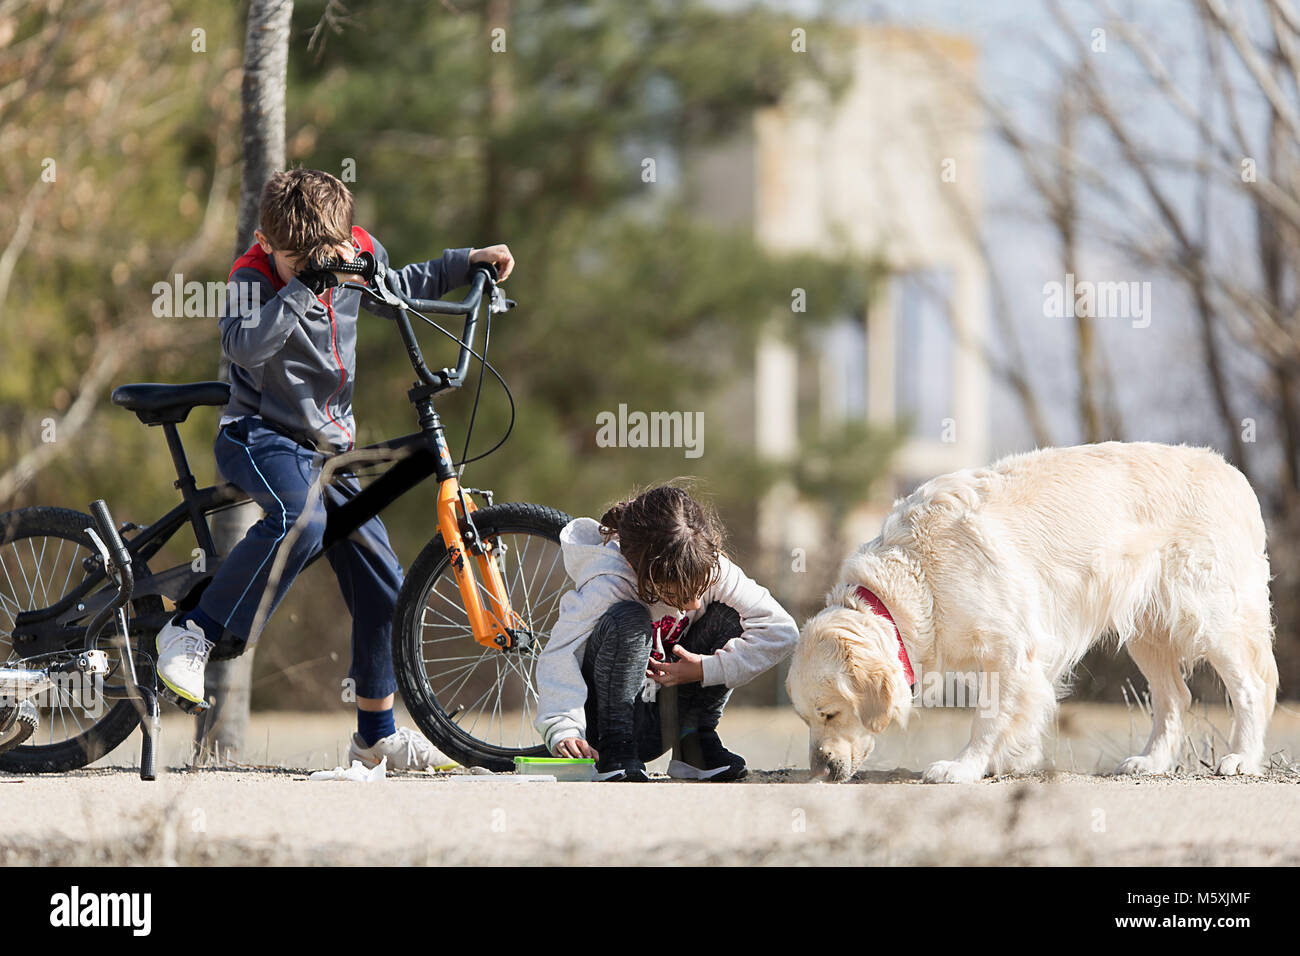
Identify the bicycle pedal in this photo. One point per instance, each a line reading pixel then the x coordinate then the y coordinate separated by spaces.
pixel 188 706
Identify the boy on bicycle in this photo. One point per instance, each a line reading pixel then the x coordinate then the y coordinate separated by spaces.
pixel 290 335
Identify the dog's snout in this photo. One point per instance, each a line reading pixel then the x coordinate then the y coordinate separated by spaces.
pixel 826 764
pixel 830 759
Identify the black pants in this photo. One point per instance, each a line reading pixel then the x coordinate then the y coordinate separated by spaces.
pixel 614 666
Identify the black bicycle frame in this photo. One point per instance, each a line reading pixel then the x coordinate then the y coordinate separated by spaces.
pixel 55 628
pixel 412 458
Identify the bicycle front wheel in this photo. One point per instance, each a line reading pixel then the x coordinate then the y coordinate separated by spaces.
pixel 478 704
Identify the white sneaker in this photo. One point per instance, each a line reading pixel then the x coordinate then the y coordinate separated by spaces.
pixel 680 770
pixel 182 656
pixel 405 750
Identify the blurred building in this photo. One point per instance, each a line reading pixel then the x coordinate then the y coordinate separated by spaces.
pixel 890 169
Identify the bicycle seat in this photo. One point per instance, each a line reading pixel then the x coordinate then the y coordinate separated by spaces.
pixel 156 404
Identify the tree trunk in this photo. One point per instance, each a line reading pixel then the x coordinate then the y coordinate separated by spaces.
pixel 266 61
pixel 266 58
pixel 498 108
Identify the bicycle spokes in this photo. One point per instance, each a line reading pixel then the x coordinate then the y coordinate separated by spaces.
pixel 492 693
pixel 36 572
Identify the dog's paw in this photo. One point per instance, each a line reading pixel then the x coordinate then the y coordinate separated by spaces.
pixel 951 771
pixel 1234 764
pixel 1139 764
pixel 1021 764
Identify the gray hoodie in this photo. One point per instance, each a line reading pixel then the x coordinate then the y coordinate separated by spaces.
pixel 293 358
pixel 603 578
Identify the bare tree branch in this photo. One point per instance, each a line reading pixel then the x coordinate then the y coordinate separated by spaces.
pixel 18 240
pixel 332 20
pixel 1254 62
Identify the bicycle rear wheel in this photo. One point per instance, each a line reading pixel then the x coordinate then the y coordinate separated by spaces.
pixel 42 554
pixel 477 704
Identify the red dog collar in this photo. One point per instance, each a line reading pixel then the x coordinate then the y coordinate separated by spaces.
pixel 878 606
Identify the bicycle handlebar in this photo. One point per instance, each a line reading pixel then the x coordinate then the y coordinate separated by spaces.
pixel 108 533
pixel 363 265
pixel 484 277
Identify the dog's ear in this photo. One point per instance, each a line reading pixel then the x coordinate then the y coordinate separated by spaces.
pixel 882 695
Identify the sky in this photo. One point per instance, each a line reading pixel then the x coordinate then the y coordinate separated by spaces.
pixel 1162 392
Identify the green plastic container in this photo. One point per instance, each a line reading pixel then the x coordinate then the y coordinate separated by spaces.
pixel 563 769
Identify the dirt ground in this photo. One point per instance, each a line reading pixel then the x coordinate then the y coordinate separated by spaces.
pixel 266 811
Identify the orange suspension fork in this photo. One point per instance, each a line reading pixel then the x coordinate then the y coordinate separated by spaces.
pixel 491 619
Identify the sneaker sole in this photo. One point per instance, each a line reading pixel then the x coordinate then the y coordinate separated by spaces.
pixel 371 764
pixel 178 692
pixel 684 771
pixel 622 776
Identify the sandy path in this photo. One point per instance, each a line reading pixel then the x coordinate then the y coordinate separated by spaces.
pixel 275 815
pixel 227 816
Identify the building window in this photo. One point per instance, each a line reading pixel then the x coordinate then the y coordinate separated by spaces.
pixel 844 370
pixel 925 350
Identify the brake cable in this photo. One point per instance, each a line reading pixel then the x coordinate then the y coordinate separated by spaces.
pixel 483 364
pixel 478 392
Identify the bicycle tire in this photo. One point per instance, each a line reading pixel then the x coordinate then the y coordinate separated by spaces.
pixel 432 566
pixel 117 722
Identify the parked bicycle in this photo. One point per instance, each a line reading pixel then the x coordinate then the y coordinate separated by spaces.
pixel 82 674
pixel 473 614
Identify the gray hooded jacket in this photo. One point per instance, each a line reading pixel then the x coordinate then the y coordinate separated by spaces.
pixel 293 354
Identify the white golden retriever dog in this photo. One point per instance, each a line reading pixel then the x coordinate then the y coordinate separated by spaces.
pixel 1015 571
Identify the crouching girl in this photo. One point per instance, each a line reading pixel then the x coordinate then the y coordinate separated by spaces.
pixel 656 604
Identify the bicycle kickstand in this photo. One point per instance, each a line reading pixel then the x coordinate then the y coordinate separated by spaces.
pixel 150 729
pixel 151 721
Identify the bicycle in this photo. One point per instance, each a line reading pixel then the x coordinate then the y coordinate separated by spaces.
pixel 474 586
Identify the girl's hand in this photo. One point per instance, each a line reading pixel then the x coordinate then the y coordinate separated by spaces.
pixel 499 256
pixel 687 669
pixel 575 747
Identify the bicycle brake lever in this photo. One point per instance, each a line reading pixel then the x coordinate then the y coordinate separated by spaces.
pixel 100 546
pixel 382 290
pixel 499 301
pixel 110 566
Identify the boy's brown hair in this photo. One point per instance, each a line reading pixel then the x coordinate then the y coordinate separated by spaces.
pixel 305 212
pixel 672 542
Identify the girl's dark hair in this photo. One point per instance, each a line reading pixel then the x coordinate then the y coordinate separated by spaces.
pixel 672 542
